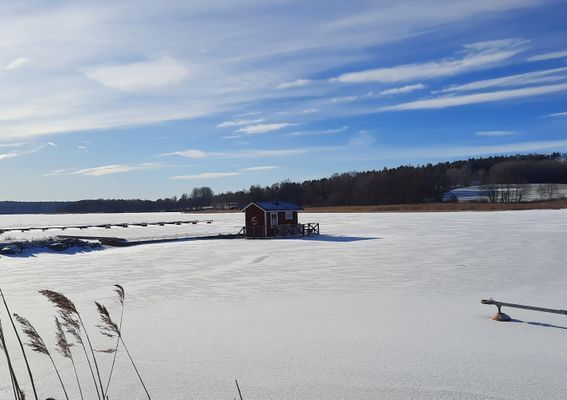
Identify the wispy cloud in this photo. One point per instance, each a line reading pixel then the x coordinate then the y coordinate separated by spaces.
pixel 454 101
pixel 294 84
pixel 19 144
pixel 559 114
pixel 476 56
pixel 402 90
pixel 263 128
pixel 528 78
pixel 206 175
pixel 445 152
pixel 318 132
pixel 139 68
pixel 17 63
pixel 139 76
pixel 18 153
pixel 251 153
pixel 496 133
pixel 191 153
pixel 104 170
pixel 260 168
pixel 239 122
pixel 549 56
pixel 107 169
pixel 216 175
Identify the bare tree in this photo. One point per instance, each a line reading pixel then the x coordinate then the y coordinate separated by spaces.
pixel 548 191
pixel 491 191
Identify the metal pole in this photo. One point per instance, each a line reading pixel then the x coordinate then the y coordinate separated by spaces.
pixel 532 308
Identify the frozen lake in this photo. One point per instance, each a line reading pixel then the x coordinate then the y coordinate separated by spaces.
pixel 380 306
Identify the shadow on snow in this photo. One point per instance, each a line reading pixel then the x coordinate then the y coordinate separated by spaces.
pixel 339 239
pixel 519 321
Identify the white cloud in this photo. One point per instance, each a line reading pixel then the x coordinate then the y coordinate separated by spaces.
pixel 295 84
pixel 18 153
pixel 344 99
pixel 11 144
pixel 536 77
pixel 402 90
pixel 57 172
pixel 139 76
pixel 248 114
pixel 559 114
pixel 253 153
pixel 107 169
pixel 187 67
pixel 239 122
pixel 476 56
pixel 308 111
pixel 473 151
pixel 11 154
pixel 549 56
pixel 17 63
pixel 496 133
pixel 454 101
pixel 207 175
pixel 263 128
pixel 259 168
pixel 318 132
pixel 104 170
pixel 191 153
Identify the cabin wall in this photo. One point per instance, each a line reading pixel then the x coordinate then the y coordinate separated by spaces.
pixel 255 221
pixel 283 221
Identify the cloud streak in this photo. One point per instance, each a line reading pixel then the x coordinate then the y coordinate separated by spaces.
pixel 254 153
pixel 239 122
pixel 477 56
pixel 402 90
pixel 549 56
pixel 263 128
pixel 528 78
pixel 318 132
pixel 496 133
pixel 477 98
pixel 110 169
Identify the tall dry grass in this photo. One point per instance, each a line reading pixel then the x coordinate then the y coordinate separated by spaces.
pixel 70 331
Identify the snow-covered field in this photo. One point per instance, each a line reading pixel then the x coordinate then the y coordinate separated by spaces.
pixel 381 306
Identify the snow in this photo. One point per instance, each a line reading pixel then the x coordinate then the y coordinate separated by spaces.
pixel 383 305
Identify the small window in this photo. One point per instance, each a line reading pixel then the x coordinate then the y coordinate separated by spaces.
pixel 289 215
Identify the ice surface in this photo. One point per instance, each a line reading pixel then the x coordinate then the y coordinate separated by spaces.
pixel 381 306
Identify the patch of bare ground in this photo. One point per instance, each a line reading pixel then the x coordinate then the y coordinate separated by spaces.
pixel 436 207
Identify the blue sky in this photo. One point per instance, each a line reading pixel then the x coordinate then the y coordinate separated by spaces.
pixel 145 99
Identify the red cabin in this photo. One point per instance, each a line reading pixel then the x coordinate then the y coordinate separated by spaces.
pixel 272 218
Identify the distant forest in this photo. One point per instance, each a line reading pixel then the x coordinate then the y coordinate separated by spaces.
pixel 402 185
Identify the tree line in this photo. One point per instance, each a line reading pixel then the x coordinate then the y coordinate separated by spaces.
pixel 405 184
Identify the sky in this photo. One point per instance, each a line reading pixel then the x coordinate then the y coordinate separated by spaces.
pixel 146 99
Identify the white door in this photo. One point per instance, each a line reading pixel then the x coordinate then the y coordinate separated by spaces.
pixel 274 219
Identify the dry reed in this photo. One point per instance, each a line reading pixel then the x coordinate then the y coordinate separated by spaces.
pixel 38 345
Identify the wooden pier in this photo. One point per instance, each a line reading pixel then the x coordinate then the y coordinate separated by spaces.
pixel 105 226
pixel 122 242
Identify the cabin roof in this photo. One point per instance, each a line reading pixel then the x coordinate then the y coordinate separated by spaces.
pixel 275 206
